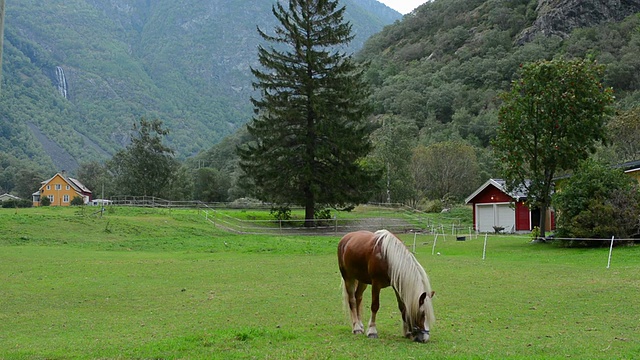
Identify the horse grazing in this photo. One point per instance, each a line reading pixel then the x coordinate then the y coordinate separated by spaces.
pixel 380 259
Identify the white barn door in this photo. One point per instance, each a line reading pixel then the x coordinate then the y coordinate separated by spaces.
pixel 490 215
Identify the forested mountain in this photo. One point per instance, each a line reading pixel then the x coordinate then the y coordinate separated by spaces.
pixel 444 65
pixel 436 77
pixel 77 74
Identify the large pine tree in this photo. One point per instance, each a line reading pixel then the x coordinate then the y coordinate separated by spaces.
pixel 310 132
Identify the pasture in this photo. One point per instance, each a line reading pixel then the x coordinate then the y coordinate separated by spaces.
pixel 149 283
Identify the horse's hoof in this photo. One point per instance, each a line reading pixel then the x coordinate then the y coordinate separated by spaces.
pixel 358 332
pixel 372 336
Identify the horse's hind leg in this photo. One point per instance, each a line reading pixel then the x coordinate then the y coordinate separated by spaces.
pixel 359 292
pixel 353 293
pixel 372 332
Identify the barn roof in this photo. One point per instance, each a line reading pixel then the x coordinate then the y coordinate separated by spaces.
pixel 518 194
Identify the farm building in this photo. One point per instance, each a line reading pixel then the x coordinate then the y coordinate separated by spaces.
pixel 61 189
pixel 5 197
pixel 631 168
pixel 494 208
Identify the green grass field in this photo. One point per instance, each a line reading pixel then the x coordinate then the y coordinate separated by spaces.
pixel 151 284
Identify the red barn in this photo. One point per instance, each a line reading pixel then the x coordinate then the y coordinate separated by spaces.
pixel 493 207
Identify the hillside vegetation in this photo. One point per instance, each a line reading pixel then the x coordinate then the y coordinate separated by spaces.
pixel 444 65
pixel 78 74
pixel 435 77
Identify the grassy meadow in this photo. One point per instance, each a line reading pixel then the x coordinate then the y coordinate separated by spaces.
pixel 166 284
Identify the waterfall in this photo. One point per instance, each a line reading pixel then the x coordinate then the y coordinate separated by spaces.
pixel 62 81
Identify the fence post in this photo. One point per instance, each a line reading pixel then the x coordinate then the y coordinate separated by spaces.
pixel 610 250
pixel 433 249
pixel 484 248
pixel 414 241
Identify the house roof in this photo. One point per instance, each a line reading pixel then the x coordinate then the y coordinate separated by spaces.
pixel 8 196
pixel 630 166
pixel 76 184
pixel 79 185
pixel 518 194
pixel 627 167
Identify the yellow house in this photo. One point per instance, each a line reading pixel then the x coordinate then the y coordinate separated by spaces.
pixel 60 190
pixel 633 169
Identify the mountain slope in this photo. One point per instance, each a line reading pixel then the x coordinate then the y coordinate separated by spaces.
pixel 444 65
pixel 78 74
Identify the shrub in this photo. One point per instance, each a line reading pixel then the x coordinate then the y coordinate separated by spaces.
pixel 44 201
pixel 77 201
pixel 322 214
pixel 597 202
pixel 432 206
pixel 21 203
pixel 281 213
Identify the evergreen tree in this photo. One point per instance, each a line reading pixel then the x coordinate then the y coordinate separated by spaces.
pixel 309 132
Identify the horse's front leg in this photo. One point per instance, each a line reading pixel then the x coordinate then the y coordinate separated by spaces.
pixel 372 332
pixel 406 329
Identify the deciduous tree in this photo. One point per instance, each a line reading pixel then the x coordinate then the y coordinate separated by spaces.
pixel 97 178
pixel 145 166
pixel 624 131
pixel 309 131
pixel 553 117
pixel 445 169
pixel 394 141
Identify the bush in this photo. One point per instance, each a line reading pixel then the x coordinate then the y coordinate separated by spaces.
pixel 322 214
pixel 21 203
pixel 281 213
pixel 77 201
pixel 431 206
pixel 597 202
pixel 44 201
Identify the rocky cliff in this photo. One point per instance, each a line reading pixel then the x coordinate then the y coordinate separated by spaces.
pixel 559 17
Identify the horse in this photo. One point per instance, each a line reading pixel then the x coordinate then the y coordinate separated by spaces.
pixel 380 259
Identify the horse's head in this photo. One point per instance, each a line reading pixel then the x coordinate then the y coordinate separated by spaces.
pixel 420 331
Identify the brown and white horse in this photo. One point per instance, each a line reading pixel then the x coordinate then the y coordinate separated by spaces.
pixel 380 259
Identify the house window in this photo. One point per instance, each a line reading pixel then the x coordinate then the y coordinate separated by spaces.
pixel 58 187
pixel 65 198
pixel 68 187
pixel 51 199
pixel 48 187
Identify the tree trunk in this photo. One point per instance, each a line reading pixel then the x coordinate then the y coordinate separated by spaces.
pixel 309 209
pixel 543 221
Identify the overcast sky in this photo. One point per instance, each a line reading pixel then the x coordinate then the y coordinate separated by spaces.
pixel 403 6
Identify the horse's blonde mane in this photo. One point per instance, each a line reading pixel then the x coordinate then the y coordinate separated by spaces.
pixel 407 276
